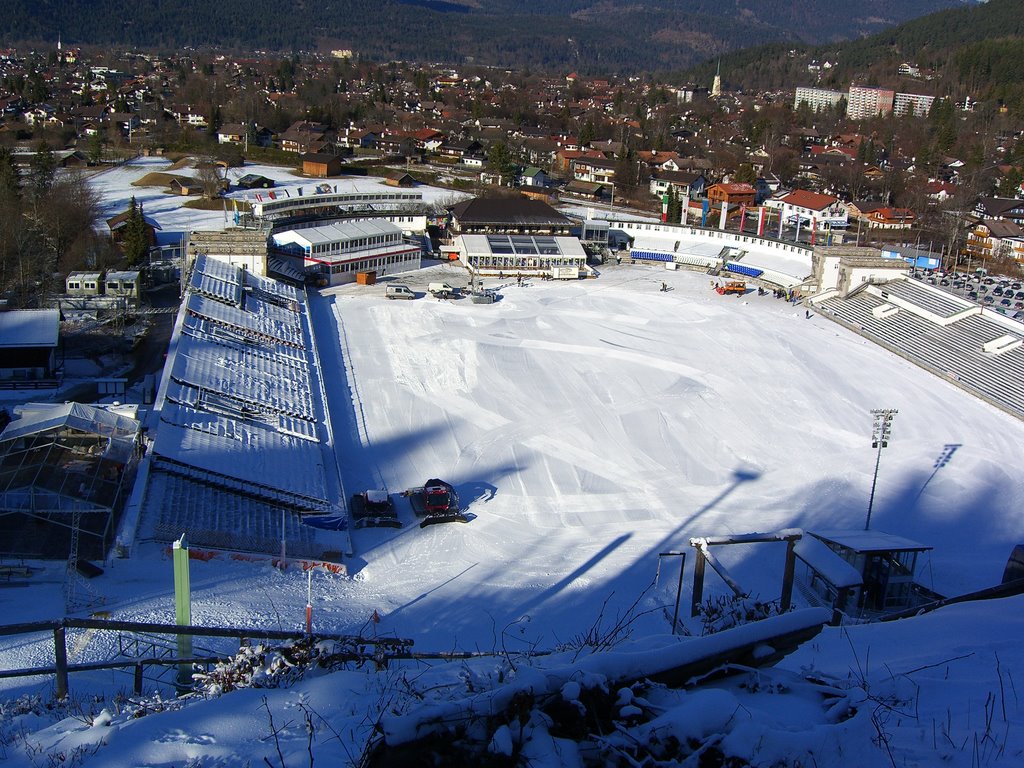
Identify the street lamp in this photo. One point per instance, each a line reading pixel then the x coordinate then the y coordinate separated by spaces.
pixel 881 431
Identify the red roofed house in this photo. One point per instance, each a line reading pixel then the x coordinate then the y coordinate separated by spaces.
pixel 805 207
pixel 891 218
pixel 731 194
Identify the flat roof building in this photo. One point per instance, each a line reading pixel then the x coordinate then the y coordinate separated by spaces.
pixel 817 98
pixel 336 252
pixel 865 102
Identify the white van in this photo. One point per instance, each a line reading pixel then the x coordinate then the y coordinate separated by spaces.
pixel 443 290
pixel 396 291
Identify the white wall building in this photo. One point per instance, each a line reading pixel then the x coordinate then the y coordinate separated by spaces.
pixel 336 252
pixel 560 257
pixel 810 208
pixel 817 98
pixel 912 104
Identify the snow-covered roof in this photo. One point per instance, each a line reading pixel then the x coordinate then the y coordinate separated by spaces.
pixel 29 328
pixel 257 453
pixel 33 418
pixel 238 402
pixel 340 232
pixel 523 245
pixel 125 275
pixel 831 566
pixel 869 541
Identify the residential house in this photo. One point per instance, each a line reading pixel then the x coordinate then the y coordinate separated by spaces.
pixel 940 191
pixel 534 177
pixel 685 183
pixel 991 238
pixel 1000 208
pixel 396 144
pixel 564 157
pixel 231 133
pixel 427 139
pixel 891 218
pixel 303 136
pixel 600 170
pixel 861 209
pixel 540 151
pixel 459 149
pixel 731 194
pixel 810 207
pixel 185 114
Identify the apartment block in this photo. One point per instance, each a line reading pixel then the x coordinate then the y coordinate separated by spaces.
pixel 912 104
pixel 867 102
pixel 817 98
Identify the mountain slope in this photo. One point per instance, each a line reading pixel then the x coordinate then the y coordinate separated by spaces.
pixel 603 35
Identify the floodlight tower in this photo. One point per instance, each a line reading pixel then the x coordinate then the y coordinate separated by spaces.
pixel 881 431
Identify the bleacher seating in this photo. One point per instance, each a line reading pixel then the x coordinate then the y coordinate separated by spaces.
pixel 742 269
pixel 937 302
pixel 954 351
pixel 643 255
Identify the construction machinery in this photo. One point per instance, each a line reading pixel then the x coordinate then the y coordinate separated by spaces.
pixel 436 502
pixel 374 509
pixel 732 286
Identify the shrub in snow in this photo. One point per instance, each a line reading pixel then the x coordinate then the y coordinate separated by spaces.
pixel 728 611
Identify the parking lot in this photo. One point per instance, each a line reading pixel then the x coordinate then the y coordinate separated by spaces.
pixel 1003 294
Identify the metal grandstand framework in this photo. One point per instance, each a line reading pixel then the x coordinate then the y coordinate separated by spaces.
pixel 65 472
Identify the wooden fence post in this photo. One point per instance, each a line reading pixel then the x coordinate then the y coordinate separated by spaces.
pixel 698 583
pixel 60 658
pixel 787 577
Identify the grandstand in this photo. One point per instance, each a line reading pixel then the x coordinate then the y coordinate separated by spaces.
pixel 952 338
pixel 242 450
pixel 275 205
pixel 774 262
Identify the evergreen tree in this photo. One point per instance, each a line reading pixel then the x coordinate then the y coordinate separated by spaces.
pixel 10 185
pixel 502 161
pixel 745 174
pixel 43 170
pixel 134 242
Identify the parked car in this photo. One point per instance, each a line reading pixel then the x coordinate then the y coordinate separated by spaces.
pixel 397 291
pixel 441 290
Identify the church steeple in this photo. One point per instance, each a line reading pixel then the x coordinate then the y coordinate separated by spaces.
pixel 716 86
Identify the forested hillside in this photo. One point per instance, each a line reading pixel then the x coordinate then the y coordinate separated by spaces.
pixel 975 51
pixel 587 35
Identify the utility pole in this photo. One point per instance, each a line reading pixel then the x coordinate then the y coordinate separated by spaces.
pixel 881 431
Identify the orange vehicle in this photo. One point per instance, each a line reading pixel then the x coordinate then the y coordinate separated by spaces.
pixel 733 286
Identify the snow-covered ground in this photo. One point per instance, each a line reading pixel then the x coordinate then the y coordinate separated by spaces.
pixel 115 190
pixel 590 426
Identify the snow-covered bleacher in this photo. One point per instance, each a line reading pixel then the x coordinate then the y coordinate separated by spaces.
pixel 936 302
pixel 241 413
pixel 953 350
